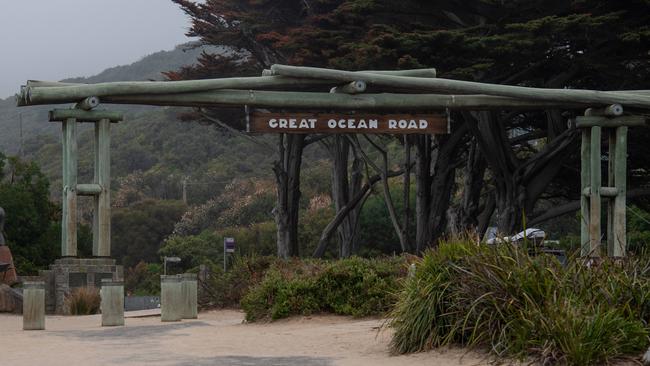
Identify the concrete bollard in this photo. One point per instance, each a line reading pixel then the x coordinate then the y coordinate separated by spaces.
pixel 34 306
pixel 189 288
pixel 112 306
pixel 171 304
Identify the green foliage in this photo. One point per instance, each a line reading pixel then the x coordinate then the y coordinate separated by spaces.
pixel 83 301
pixel 352 286
pixel 521 306
pixel 143 279
pixel 227 289
pixel 31 226
pixel 139 230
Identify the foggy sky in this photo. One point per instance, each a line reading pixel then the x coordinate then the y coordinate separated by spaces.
pixel 57 39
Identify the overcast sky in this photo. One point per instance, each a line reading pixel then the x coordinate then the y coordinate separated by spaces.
pixel 56 39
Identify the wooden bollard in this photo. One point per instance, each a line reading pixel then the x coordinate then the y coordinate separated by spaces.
pixel 189 288
pixel 112 305
pixel 33 306
pixel 171 304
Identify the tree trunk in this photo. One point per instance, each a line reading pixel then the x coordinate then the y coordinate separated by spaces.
pixel 473 179
pixel 434 190
pixel 287 174
pixel 344 187
pixel 422 191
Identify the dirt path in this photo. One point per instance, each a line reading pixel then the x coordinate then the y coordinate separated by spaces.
pixel 216 338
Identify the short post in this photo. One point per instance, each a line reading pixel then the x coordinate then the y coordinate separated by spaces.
pixel 171 305
pixel 189 289
pixel 34 305
pixel 112 305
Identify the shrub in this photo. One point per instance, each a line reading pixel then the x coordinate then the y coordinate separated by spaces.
pixel 143 279
pixel 83 301
pixel 522 306
pixel 227 289
pixel 353 286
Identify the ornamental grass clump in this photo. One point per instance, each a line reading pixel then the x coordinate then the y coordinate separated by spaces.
pixel 524 307
pixel 83 301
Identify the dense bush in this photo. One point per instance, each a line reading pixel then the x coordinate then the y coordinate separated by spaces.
pixel 143 279
pixel 83 301
pixel 521 306
pixel 353 286
pixel 227 289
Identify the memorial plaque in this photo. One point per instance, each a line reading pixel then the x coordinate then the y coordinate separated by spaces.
pixel 279 122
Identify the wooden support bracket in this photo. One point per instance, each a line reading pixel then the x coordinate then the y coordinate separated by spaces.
pixel 58 115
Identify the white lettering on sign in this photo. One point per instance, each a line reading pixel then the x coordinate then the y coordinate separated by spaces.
pixel 411 124
pixel 305 123
pixel 348 123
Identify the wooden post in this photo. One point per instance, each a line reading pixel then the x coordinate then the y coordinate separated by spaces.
pixel 34 305
pixel 619 221
pixel 112 303
pixel 611 167
pixel 69 209
pixel 594 197
pixel 585 178
pixel 189 289
pixel 102 217
pixel 171 304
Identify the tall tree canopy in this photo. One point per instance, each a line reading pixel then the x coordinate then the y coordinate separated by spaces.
pixel 510 159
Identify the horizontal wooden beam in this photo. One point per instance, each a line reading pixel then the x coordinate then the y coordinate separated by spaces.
pixel 458 86
pixel 588 121
pixel 89 189
pixel 304 100
pixel 64 94
pixel 604 192
pixel 58 115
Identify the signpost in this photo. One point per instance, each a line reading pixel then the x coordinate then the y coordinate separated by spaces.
pixel 303 122
pixel 228 247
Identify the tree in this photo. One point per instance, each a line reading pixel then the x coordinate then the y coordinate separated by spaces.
pixel 138 231
pixel 593 44
pixel 32 229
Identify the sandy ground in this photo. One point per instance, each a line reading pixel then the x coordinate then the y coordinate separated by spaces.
pixel 216 338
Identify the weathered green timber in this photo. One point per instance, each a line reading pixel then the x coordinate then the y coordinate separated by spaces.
pixel 69 209
pixel 102 177
pixel 585 180
pixel 313 100
pixel 592 192
pixel 112 303
pixel 33 306
pixel 87 104
pixel 171 302
pixel 189 289
pixel 587 121
pixel 88 189
pixel 620 179
pixel 354 87
pixel 594 198
pixel 611 166
pixel 99 189
pixel 80 115
pixel 458 86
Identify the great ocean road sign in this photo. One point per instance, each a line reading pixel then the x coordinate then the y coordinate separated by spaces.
pixel 300 122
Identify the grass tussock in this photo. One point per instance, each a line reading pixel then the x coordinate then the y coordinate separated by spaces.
pixel 83 301
pixel 524 307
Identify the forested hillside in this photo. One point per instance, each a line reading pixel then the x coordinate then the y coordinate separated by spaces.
pixel 34 119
